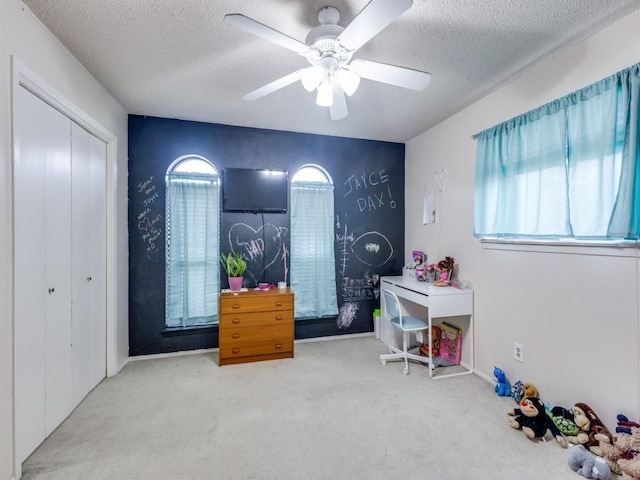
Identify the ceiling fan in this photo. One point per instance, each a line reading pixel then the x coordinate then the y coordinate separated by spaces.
pixel 329 48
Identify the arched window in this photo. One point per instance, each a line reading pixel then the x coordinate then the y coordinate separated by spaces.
pixel 313 273
pixel 193 225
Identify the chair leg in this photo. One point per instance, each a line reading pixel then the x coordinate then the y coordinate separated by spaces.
pixel 405 348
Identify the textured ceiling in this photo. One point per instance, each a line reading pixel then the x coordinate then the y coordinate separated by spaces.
pixel 179 59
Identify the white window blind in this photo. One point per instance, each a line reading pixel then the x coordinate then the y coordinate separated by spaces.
pixel 313 276
pixel 193 272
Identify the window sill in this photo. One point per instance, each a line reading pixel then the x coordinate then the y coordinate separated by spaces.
pixel 618 248
pixel 193 330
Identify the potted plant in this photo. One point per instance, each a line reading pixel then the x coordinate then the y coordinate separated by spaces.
pixel 235 266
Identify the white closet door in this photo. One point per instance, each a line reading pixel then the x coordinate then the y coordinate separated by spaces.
pixel 80 273
pixel 57 171
pixel 88 261
pixel 29 285
pixel 60 268
pixel 98 262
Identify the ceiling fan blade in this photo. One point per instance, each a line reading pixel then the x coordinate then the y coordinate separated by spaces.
pixel 338 110
pixel 373 18
pixel 256 28
pixel 273 86
pixel 398 76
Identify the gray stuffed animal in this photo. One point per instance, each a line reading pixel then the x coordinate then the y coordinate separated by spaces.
pixel 587 464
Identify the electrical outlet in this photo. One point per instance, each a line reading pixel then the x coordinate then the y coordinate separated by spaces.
pixel 518 352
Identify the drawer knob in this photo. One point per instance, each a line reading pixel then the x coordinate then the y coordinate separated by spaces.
pixel 236 350
pixel 278 346
pixel 278 317
pixel 235 306
pixel 235 335
pixel 278 304
pixel 236 320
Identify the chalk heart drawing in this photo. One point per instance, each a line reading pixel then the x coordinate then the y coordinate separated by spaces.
pixel 144 224
pixel 249 242
pixel 372 248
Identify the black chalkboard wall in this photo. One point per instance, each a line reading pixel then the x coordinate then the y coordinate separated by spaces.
pixel 368 180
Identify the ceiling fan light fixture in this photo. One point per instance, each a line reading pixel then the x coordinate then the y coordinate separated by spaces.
pixel 348 81
pixel 311 77
pixel 325 94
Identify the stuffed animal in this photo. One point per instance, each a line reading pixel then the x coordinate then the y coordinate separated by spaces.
pixel 592 430
pixel 587 464
pixel 516 391
pixel 529 390
pixel 624 424
pixel 563 418
pixel 630 469
pixel 624 446
pixel 502 387
pixel 532 419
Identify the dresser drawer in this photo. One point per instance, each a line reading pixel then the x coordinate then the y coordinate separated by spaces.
pixel 250 344
pixel 259 303
pixel 267 335
pixel 256 319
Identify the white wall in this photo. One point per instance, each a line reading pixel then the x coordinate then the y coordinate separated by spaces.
pixel 574 310
pixel 24 37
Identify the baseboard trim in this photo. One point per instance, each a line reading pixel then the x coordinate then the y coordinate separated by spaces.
pixel 214 350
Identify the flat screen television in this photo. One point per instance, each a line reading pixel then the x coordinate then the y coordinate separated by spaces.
pixel 255 190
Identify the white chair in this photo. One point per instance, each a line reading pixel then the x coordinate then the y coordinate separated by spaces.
pixel 407 324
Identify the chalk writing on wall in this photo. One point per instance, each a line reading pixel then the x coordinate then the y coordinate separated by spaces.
pixel 372 249
pixel 149 221
pixel 344 239
pixel 365 288
pixel 261 247
pixel 348 313
pixel 371 191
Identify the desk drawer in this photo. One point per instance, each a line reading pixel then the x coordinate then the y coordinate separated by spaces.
pixel 257 319
pixel 258 303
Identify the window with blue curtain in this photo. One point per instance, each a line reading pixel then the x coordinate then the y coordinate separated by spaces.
pixel 192 264
pixel 567 169
pixel 313 275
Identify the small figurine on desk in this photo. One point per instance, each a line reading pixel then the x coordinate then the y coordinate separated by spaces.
pixel 418 258
pixel 445 272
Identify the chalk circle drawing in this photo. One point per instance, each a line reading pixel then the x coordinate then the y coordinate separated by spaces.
pixel 253 244
pixel 372 248
pixel 348 313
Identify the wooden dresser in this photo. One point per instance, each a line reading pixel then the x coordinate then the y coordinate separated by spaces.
pixel 255 325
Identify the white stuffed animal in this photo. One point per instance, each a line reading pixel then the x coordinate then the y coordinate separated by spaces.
pixel 587 464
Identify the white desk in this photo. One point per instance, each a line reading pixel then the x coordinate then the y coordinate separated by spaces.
pixel 439 302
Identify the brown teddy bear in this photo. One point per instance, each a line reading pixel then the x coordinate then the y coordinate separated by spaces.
pixel 529 390
pixel 624 446
pixel 592 430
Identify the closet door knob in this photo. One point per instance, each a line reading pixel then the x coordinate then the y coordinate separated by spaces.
pixel 89 279
pixel 51 290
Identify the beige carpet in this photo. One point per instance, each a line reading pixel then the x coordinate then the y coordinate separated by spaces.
pixel 333 412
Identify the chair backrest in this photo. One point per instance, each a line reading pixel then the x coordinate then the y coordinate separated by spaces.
pixel 392 305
